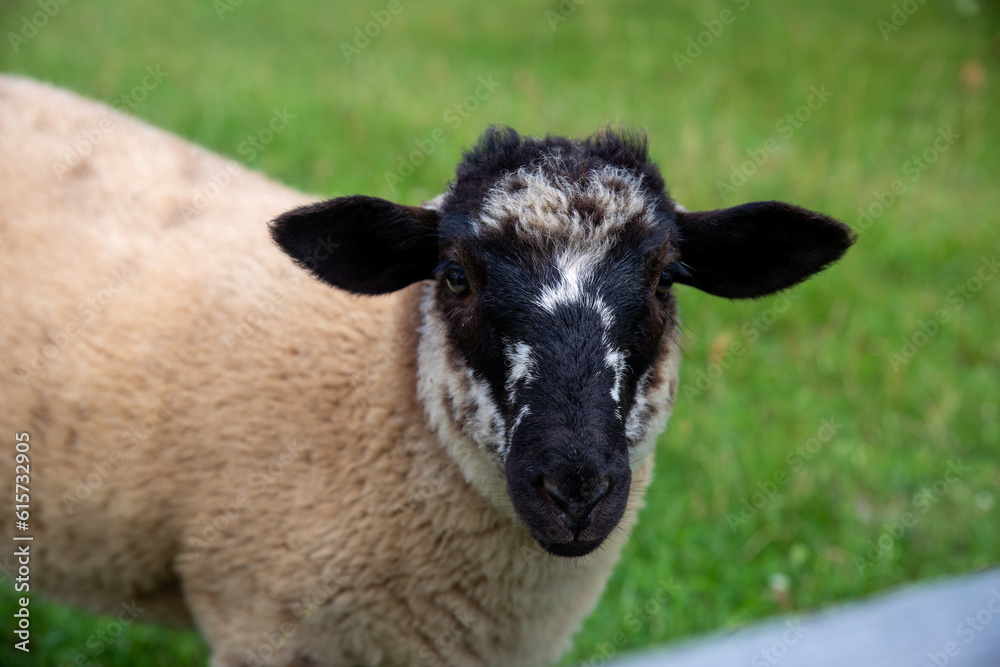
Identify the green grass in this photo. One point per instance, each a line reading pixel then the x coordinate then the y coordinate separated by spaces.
pixel 827 357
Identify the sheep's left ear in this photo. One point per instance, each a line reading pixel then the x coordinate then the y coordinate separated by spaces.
pixel 361 244
pixel 755 249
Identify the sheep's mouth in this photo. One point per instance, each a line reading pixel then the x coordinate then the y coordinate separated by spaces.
pixel 572 549
pixel 568 531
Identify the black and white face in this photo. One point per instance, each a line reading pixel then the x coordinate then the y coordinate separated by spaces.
pixel 548 354
pixel 552 304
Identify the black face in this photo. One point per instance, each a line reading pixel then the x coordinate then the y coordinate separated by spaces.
pixel 552 263
pixel 562 334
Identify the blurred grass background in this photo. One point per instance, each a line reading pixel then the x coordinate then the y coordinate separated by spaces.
pixel 756 383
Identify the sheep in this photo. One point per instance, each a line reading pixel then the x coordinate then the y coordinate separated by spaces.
pixel 365 433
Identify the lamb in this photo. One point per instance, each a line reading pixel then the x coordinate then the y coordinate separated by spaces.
pixel 367 433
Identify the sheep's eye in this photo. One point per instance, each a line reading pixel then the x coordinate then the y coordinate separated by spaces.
pixel 457 281
pixel 665 283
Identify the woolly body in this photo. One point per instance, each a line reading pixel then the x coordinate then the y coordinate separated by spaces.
pixel 229 442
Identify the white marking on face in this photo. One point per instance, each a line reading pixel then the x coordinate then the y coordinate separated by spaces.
pixel 521 414
pixel 573 270
pixel 575 267
pixel 616 361
pixel 522 367
pixel 447 385
pixel 635 422
pixel 443 385
pixel 653 402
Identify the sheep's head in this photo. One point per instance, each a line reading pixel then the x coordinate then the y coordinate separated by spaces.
pixel 548 353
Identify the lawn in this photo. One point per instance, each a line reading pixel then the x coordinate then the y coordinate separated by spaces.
pixel 828 443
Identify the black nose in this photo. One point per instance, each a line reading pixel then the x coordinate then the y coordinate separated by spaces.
pixel 576 501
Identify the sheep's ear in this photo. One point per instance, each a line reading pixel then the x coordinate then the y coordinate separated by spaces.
pixel 758 248
pixel 361 244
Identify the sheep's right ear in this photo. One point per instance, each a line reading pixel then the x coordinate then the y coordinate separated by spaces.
pixel 361 244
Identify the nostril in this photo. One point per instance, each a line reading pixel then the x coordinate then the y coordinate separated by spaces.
pixel 557 497
pixel 591 494
pixel 576 508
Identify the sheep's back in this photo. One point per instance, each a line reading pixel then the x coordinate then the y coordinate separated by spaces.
pixel 156 345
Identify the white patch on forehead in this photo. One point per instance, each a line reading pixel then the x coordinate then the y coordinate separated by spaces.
pixel 544 206
pixel 574 267
pixel 573 270
pixel 522 367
